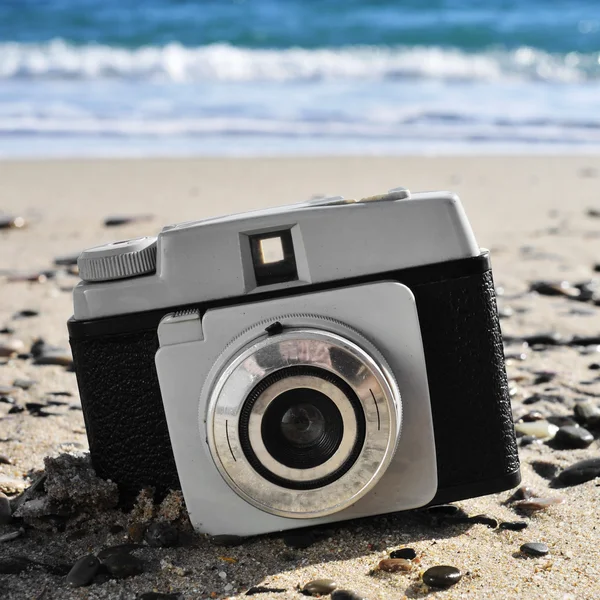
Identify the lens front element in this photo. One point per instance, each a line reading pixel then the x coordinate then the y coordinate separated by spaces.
pixel 302 427
pixel 303 423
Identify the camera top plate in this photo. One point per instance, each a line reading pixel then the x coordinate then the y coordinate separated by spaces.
pixel 331 240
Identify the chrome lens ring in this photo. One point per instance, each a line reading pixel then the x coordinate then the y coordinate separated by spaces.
pixel 364 372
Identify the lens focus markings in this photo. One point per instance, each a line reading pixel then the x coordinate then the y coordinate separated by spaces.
pixel 377 409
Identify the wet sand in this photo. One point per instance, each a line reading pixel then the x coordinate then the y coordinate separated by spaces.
pixel 531 212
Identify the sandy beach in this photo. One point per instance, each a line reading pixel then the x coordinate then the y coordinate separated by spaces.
pixel 539 216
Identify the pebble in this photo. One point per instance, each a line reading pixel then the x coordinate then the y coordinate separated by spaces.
pixel 117 220
pixel 83 571
pixel 442 576
pixel 346 595
pixel 4 460
pixel 7 400
pixel 58 356
pixel 545 469
pixel 531 416
pixel 587 413
pixel 407 553
pixel 161 535
pixel 11 347
pixel 513 525
pixel 395 565
pixel 122 565
pixel 573 437
pixel 534 549
pixel 24 384
pixel 484 520
pixel 159 596
pixel 66 260
pixel 580 472
pixel 5 509
pixel 12 535
pixel 5 390
pixel 260 589
pixel 13 565
pixel 12 222
pixel 539 429
pixel 25 314
pixel 527 440
pixel 555 288
pixel 522 493
pixel 450 510
pixel 544 339
pixel 535 504
pixel 319 587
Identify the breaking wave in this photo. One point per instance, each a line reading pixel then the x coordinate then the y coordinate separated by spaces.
pixel 222 62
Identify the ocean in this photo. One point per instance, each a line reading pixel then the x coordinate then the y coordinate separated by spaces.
pixel 271 77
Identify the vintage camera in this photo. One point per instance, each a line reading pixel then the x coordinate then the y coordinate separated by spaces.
pixel 299 365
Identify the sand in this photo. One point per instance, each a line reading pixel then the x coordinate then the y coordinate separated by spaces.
pixel 529 211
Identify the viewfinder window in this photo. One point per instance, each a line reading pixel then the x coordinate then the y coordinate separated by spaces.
pixel 271 250
pixel 273 257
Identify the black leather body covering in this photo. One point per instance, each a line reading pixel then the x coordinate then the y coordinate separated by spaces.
pixel 474 434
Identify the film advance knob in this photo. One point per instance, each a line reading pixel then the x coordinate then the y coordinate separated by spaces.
pixel 118 260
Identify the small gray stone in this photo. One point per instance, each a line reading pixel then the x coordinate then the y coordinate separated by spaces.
pixel 12 535
pixel 573 437
pixel 5 509
pixel 346 595
pixel 24 384
pixel 442 576
pixel 319 587
pixel 123 564
pixel 580 472
pixel 83 571
pixel 534 549
pixel 161 535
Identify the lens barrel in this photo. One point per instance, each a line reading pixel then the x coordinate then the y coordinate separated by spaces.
pixel 304 422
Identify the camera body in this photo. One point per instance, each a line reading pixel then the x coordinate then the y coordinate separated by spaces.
pixel 300 365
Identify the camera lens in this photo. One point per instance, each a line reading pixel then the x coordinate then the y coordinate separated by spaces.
pixel 302 428
pixel 302 422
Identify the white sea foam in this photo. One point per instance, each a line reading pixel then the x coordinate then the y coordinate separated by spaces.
pixel 221 62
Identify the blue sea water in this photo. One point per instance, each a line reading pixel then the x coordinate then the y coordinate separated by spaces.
pixel 248 77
